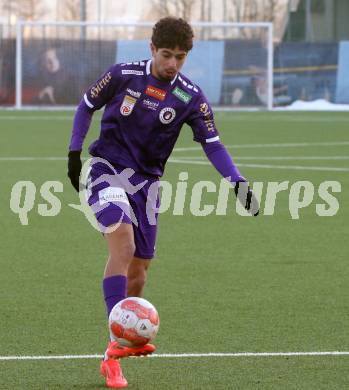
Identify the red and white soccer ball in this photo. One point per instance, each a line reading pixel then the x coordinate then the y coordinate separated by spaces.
pixel 133 322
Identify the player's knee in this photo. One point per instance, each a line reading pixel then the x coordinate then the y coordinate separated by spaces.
pixel 121 243
pixel 124 253
pixel 127 250
pixel 137 276
pixel 136 283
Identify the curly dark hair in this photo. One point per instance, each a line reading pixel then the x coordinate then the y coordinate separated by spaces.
pixel 170 32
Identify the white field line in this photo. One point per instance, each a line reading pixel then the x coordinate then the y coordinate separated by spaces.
pixel 284 117
pixel 37 158
pixel 185 355
pixel 280 118
pixel 274 158
pixel 295 167
pixel 195 158
pixel 33 158
pixel 275 145
pixel 186 160
pixel 265 166
pixel 36 118
pixel 278 145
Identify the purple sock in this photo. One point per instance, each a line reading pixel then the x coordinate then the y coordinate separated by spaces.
pixel 115 290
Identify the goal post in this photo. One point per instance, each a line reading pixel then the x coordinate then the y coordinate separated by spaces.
pixel 57 61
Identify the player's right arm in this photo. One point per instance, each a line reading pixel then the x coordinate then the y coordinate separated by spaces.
pixel 97 95
pixel 204 129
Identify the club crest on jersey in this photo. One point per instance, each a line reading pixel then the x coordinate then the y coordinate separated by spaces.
pixel 127 105
pixel 167 115
pixel 156 93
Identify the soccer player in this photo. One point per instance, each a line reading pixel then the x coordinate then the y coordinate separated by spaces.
pixel 146 105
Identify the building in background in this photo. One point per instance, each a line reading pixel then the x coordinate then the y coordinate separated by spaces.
pixel 319 21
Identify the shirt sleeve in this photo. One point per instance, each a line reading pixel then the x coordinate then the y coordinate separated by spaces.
pixel 201 120
pixel 97 95
pixel 82 121
pixel 222 161
pixel 101 91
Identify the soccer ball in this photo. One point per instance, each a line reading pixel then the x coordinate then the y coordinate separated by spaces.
pixel 133 322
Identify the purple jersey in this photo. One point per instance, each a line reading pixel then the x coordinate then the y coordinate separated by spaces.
pixel 143 117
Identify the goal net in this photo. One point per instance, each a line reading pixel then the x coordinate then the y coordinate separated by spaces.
pixel 56 62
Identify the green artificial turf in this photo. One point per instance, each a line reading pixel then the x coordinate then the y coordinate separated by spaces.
pixel 221 283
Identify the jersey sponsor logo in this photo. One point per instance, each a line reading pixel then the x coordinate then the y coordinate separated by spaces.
pixel 112 194
pixel 167 115
pixel 209 122
pixel 96 89
pixel 133 93
pixel 156 93
pixel 127 105
pixel 151 105
pixel 185 97
pixel 132 71
pixel 204 108
pixel 140 63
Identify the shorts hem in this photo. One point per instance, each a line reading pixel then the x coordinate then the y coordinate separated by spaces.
pixel 144 256
pixel 109 217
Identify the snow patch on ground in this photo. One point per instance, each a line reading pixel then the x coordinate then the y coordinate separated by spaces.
pixel 315 105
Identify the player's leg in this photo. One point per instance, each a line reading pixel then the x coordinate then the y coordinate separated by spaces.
pixel 113 221
pixel 135 269
pixel 145 232
pixel 137 276
pixel 109 202
pixel 119 262
pixel 121 250
pixel 144 239
pixel 121 245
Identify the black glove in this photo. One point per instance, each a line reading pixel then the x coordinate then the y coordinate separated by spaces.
pixel 74 167
pixel 247 198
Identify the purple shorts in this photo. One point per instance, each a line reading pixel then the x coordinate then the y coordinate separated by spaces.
pixel 119 195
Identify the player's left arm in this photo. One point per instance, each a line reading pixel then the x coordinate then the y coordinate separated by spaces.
pixel 204 129
pixel 223 162
pixel 96 96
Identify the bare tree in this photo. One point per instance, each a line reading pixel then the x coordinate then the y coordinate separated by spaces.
pixel 161 7
pixel 186 8
pixel 26 9
pixel 236 12
pixel 271 10
pixel 78 9
pixel 180 8
pixel 254 10
pixel 251 11
pixel 70 9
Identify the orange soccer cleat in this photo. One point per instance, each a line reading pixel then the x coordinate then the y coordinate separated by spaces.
pixel 112 372
pixel 117 351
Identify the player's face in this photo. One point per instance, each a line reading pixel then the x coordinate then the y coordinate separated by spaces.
pixel 167 62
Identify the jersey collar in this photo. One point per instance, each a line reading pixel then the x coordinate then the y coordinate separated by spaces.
pixel 148 71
